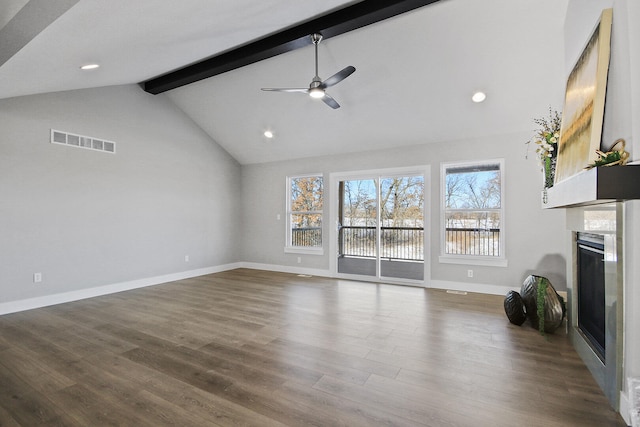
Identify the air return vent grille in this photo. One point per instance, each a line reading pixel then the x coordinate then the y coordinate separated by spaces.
pixel 66 138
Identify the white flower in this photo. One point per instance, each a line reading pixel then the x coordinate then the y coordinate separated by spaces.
pixel 553 139
pixel 556 135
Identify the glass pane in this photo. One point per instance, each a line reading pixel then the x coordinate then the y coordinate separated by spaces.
pixel 472 189
pixel 306 230
pixel 402 227
pixel 402 201
pixel 357 243
pixel 472 233
pixel 359 218
pixel 402 206
pixel 306 194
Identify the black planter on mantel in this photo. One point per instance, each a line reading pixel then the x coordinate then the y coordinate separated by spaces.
pixel 598 185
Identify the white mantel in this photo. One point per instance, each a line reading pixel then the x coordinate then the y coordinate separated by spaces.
pixel 594 186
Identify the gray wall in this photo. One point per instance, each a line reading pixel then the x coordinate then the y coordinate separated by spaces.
pixel 622 120
pixel 535 238
pixel 86 219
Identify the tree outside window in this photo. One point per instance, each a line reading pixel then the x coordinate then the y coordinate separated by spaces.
pixel 305 212
pixel 472 209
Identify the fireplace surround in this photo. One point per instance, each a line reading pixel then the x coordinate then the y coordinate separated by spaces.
pixel 595 328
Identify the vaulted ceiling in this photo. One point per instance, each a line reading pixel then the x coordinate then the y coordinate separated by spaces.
pixel 415 73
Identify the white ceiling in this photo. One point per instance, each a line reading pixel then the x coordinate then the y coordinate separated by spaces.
pixel 414 77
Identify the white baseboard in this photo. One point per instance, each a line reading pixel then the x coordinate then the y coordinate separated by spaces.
pixel 625 409
pixel 480 288
pixel 435 284
pixel 47 300
pixel 285 269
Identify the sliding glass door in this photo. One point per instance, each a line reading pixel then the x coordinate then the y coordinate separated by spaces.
pixel 380 226
pixel 358 227
pixel 402 227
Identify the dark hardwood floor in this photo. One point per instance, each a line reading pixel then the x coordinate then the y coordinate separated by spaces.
pixel 255 348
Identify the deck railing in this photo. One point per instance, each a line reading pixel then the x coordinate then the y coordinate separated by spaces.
pixel 472 241
pixel 308 237
pixel 402 243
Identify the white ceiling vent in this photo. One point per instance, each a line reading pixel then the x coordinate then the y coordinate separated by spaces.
pixel 66 138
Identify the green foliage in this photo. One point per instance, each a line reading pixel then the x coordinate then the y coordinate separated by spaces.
pixel 542 290
pixel 611 157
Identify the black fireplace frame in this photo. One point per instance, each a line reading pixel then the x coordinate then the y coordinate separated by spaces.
pixel 591 291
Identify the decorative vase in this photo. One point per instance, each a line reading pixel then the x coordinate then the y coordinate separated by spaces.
pixel 554 309
pixel 549 171
pixel 514 308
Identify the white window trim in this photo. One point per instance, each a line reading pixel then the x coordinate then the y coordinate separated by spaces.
pixel 499 261
pixel 303 250
pixel 289 248
pixel 473 260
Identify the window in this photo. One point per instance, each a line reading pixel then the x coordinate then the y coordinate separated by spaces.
pixel 304 214
pixel 472 213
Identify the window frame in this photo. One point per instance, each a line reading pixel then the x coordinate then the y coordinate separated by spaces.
pixel 482 260
pixel 289 247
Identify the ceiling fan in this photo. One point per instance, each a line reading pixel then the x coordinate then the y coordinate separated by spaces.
pixel 317 87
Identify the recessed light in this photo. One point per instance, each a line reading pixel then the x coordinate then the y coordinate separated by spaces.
pixel 90 66
pixel 479 97
pixel 268 134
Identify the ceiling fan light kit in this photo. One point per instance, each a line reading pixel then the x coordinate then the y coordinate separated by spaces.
pixel 478 97
pixel 317 87
pixel 316 92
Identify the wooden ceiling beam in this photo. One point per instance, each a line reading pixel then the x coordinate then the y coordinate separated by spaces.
pixel 333 24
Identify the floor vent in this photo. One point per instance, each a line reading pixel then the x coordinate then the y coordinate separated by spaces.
pixel 454 292
pixel 80 141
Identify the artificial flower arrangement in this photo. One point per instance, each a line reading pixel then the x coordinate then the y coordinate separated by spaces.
pixel 546 138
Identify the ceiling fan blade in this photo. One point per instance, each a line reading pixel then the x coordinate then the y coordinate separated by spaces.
pixel 338 77
pixel 284 89
pixel 330 101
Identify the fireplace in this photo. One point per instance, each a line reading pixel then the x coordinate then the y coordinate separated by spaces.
pixel 594 202
pixel 591 291
pixel 595 291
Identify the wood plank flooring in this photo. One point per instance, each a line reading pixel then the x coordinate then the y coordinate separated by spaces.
pixel 256 348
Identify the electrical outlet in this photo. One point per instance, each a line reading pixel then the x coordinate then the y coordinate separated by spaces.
pixel 186 258
pixel 469 273
pixel 37 277
pixel 278 217
pixel 299 260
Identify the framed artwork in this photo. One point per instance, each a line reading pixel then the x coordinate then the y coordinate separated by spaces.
pixel 583 113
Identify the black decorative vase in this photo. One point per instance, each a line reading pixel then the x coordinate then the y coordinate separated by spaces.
pixel 514 308
pixel 554 309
